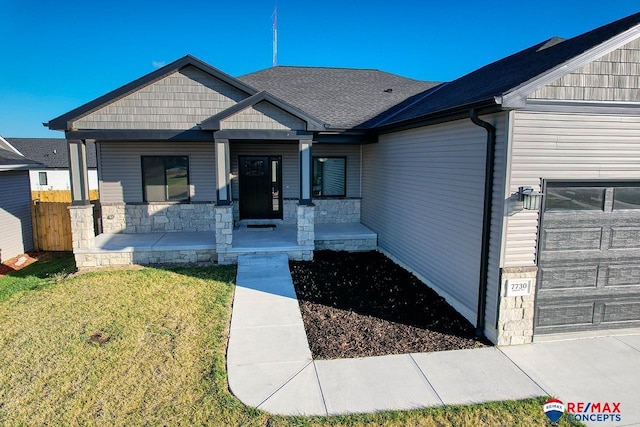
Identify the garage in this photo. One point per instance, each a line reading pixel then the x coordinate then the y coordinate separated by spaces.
pixel 588 257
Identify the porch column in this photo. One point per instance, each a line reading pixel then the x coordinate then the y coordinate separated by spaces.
pixel 223 169
pixel 78 173
pixel 306 170
pixel 306 209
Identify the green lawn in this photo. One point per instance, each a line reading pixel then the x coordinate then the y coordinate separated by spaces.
pixel 147 346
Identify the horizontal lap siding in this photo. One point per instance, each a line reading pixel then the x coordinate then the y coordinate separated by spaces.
pixel 16 233
pixel 564 147
pixel 121 172
pixel 423 194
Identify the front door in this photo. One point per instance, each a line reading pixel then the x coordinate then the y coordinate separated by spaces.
pixel 260 187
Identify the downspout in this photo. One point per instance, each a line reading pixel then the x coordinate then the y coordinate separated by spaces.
pixel 486 218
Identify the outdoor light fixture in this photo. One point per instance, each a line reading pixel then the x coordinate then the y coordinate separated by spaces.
pixel 531 200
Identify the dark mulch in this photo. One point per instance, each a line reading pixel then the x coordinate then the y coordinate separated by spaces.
pixel 363 304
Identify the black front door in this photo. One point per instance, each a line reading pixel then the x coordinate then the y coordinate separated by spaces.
pixel 260 187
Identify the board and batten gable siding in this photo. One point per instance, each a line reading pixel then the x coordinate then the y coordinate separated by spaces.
pixel 291 164
pixel 121 169
pixel 178 101
pixel 557 146
pixel 16 232
pixel 614 77
pixel 263 115
pixel 423 193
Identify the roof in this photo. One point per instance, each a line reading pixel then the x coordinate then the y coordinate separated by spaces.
pixel 51 152
pixel 344 98
pixel 12 161
pixel 507 75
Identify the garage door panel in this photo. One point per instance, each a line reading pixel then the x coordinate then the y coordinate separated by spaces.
pixel 621 312
pixel 589 260
pixel 625 237
pixel 566 239
pixel 562 278
pixel 563 315
pixel 624 275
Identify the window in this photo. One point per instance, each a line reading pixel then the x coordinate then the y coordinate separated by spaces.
pixel 574 198
pixel 329 176
pixel 42 178
pixel 626 198
pixel 165 178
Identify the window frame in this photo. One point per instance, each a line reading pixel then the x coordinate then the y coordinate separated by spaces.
pixel 164 162
pixel 41 175
pixel 344 177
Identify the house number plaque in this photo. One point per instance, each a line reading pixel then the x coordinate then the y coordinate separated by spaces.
pixel 518 287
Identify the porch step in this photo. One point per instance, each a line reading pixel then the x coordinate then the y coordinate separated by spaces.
pixel 263 259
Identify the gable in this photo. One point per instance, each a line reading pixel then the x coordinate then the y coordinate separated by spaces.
pixel 178 101
pixel 263 115
pixel 613 77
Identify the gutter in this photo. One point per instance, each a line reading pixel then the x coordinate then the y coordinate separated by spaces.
pixel 486 218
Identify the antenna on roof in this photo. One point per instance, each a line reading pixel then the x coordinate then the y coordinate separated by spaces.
pixel 274 18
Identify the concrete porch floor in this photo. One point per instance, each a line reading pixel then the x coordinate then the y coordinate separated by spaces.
pixel 245 239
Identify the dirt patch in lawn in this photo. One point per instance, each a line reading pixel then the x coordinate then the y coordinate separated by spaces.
pixel 363 304
pixel 22 261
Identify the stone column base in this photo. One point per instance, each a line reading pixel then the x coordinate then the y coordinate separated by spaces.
pixel 224 232
pixel 517 299
pixel 306 225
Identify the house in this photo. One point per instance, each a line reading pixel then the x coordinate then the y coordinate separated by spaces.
pixel 448 176
pixel 53 154
pixel 16 232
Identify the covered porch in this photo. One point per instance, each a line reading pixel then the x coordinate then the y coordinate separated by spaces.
pixel 199 248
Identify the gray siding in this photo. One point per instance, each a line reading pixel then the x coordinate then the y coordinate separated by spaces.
pixel 121 174
pixel 422 193
pixel 263 115
pixel 178 101
pixel 290 160
pixel 614 77
pixel 564 147
pixel 16 233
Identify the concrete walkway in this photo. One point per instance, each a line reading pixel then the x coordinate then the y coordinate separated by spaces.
pixel 270 365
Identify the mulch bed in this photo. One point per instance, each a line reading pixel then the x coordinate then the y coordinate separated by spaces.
pixel 363 304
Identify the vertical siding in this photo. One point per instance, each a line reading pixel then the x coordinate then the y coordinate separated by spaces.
pixel 422 192
pixel 614 77
pixel 121 174
pixel 565 147
pixel 16 232
pixel 290 160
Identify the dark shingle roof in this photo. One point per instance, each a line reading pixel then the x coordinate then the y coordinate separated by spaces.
pixel 505 75
pixel 11 160
pixel 51 152
pixel 341 97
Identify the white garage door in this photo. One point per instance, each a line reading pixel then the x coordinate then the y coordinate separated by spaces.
pixel 589 258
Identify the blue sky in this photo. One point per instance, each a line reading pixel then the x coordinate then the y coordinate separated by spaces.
pixel 55 56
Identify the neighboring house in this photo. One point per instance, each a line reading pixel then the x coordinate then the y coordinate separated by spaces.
pixel 436 170
pixel 53 154
pixel 16 232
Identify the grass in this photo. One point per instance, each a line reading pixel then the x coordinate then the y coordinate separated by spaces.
pixel 160 359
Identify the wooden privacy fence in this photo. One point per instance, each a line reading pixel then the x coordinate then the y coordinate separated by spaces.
pixel 58 195
pixel 51 226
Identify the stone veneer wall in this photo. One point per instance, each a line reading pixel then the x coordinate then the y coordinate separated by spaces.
pixel 337 211
pixel 328 211
pixel 349 245
pixel 515 318
pixel 157 217
pixel 200 257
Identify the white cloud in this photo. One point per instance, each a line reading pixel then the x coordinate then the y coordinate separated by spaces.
pixel 158 64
